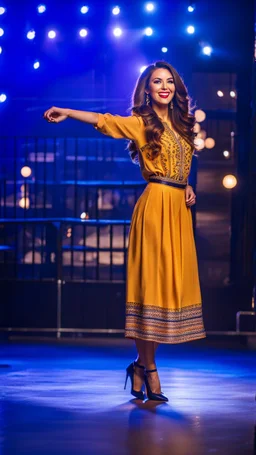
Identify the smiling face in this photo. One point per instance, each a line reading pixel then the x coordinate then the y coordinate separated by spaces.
pixel 161 88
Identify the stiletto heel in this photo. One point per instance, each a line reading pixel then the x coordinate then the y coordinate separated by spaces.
pixel 151 395
pixel 130 374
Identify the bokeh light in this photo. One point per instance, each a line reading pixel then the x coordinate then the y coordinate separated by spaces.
pixel 2 10
pixel 24 203
pixel 199 143
pixel 232 94
pixel 36 64
pixel 226 153
pixel 202 134
pixel 229 181
pixel 207 50
pixel 191 29
pixel 41 9
pixel 84 216
pixel 197 128
pixel 84 9
pixel 1 31
pixel 150 7
pixel 220 93
pixel 1 50
pixel 51 34
pixel 26 171
pixel 191 8
pixel 148 31
pixel 31 34
pixel 3 97
pixel 117 31
pixel 116 10
pixel 83 32
pixel 164 49
pixel 200 115
pixel 209 143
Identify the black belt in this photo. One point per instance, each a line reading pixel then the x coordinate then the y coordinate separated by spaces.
pixel 167 182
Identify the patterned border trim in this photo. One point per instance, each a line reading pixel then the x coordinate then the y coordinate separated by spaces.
pixel 163 325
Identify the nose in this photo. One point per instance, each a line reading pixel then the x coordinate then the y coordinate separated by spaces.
pixel 164 85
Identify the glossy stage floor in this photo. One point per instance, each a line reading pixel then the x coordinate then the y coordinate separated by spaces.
pixel 69 398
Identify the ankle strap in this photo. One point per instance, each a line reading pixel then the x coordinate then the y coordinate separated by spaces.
pixel 151 371
pixel 138 365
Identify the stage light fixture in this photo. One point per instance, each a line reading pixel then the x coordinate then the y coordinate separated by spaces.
pixel 116 10
pixel 229 181
pixel 148 31
pixel 191 29
pixel 51 34
pixel 31 34
pixel 41 9
pixel 83 32
pixel 2 10
pixel 220 93
pixel 191 8
pixel 3 97
pixel 1 31
pixel 150 7
pixel 164 49
pixel 84 9
pixel 207 50
pixel 226 153
pixel 36 64
pixel 117 32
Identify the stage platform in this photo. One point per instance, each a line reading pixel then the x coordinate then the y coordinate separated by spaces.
pixel 67 397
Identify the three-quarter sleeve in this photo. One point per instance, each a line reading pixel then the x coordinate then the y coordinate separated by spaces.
pixel 120 127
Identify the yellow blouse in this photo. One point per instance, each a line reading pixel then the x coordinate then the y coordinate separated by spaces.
pixel 174 160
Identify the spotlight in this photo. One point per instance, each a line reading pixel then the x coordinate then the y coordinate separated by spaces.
pixel 220 93
pixel 31 34
pixel 1 50
pixel 83 32
pixel 229 181
pixel 226 153
pixel 52 34
pixel 150 7
pixel 191 29
pixel 26 171
pixel 41 9
pixel 207 50
pixel 148 31
pixel 3 97
pixel 2 10
pixel 84 9
pixel 232 94
pixel 116 10
pixel 143 68
pixel 36 65
pixel 191 8
pixel 164 49
pixel 117 31
pixel 1 31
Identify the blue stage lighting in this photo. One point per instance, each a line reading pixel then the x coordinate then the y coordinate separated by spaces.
pixel 150 7
pixel 116 10
pixel 3 97
pixel 41 8
pixel 191 8
pixel 51 34
pixel 207 50
pixel 36 65
pixel 2 10
pixel 83 32
pixel 1 50
pixel 143 68
pixel 31 34
pixel 148 31
pixel 1 31
pixel 191 29
pixel 84 9
pixel 164 49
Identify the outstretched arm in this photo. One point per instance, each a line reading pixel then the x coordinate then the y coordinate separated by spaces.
pixel 116 126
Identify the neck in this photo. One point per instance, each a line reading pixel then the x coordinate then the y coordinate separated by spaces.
pixel 162 112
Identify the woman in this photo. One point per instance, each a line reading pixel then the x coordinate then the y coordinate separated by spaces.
pixel 163 302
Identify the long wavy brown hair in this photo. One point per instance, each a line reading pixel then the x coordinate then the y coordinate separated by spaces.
pixel 181 115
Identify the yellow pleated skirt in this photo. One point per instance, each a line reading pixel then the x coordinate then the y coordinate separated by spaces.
pixel 163 297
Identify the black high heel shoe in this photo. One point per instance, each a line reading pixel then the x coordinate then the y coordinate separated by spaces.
pixel 130 373
pixel 151 395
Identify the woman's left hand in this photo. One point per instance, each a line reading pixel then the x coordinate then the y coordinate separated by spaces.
pixel 190 196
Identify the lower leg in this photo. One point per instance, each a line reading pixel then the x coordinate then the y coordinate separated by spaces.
pixel 146 356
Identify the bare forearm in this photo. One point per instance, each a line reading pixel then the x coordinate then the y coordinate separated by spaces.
pixel 83 116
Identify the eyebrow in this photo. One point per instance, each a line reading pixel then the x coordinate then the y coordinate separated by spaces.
pixel 171 77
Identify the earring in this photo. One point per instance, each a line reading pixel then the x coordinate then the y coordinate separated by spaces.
pixel 171 105
pixel 147 99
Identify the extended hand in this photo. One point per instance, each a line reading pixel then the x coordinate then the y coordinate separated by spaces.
pixel 56 114
pixel 190 196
